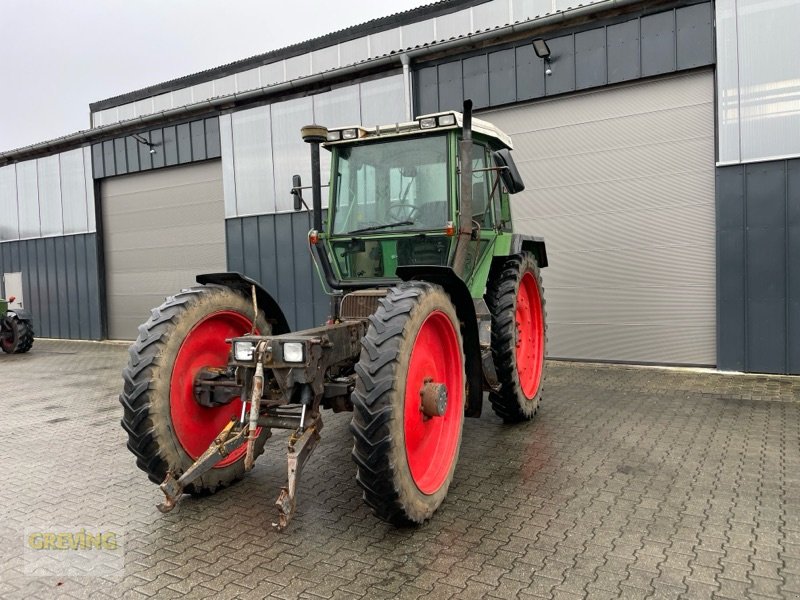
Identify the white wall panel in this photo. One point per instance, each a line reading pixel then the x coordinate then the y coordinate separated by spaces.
pixel 162 102
pixel 382 101
pixel 353 51
pixel 384 42
pixel 202 91
pixel 9 224
pixel 73 191
pixel 298 66
pixel 252 160
pixel 416 34
pixel 491 14
pixel 224 86
pixel 228 170
pixel 248 80
pixel 727 82
pixel 28 200
pixel 89 182
pixel 272 73
pixel 453 25
pixel 290 153
pixel 336 108
pixel 49 183
pixel 325 59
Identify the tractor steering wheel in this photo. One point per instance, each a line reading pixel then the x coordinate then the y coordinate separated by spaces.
pixel 402 211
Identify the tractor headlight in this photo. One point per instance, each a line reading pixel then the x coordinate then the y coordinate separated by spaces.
pixel 446 120
pixel 427 123
pixel 243 351
pixel 293 352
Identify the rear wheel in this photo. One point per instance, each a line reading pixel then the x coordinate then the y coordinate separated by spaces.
pixel 167 428
pixel 17 336
pixel 519 335
pixel 409 403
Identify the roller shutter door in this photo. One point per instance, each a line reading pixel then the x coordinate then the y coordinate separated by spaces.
pixel 160 229
pixel 620 182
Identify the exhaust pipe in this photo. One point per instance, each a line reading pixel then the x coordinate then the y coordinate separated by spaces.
pixel 465 206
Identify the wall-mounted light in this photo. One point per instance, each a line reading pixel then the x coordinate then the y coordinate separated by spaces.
pixel 146 142
pixel 543 51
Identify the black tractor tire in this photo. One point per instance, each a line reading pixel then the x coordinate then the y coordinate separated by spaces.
pixel 18 336
pixel 411 317
pixel 147 393
pixel 520 392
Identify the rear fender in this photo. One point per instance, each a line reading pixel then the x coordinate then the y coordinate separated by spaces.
pixel 20 313
pixel 465 309
pixel 529 243
pixel 243 285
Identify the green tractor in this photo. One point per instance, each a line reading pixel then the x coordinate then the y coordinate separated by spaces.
pixel 16 328
pixel 434 301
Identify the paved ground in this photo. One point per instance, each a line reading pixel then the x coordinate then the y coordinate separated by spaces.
pixel 630 483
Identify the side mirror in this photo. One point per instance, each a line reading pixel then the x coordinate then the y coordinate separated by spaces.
pixel 508 171
pixel 297 192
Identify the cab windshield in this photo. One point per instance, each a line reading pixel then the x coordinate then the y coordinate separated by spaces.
pixel 391 186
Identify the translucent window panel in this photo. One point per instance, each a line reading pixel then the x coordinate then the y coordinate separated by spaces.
pixel 162 102
pixel 272 73
pixel 385 42
pixel 291 155
pixel 144 107
pixel 453 25
pixel 181 97
pixel 225 86
pixel 252 161
pixel 228 173
pixel 530 9
pixel 89 183
pixel 28 200
pixel 248 80
pixel 565 4
pixel 125 112
pixel 49 183
pixel 490 15
pixel 325 59
pixel 202 91
pixel 353 51
pixel 383 101
pixel 73 192
pixel 769 78
pixel 336 108
pixel 9 224
pixel 105 117
pixel 298 66
pixel 417 34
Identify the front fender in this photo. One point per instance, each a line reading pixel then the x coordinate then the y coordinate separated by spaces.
pixel 21 314
pixel 243 285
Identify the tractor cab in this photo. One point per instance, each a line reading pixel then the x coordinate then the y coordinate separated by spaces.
pixel 396 197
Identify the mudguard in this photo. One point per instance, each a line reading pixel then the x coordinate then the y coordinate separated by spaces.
pixel 532 244
pixel 242 284
pixel 465 309
pixel 21 314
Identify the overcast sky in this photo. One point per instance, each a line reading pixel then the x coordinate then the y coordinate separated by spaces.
pixel 60 55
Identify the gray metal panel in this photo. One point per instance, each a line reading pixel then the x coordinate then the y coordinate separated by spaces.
pixel 109 169
pixel 476 80
pixel 132 151
pixel 120 159
pixel 730 269
pixel 695 36
pixel 97 161
pixel 161 229
pixel 562 53
pixel 273 250
pixel 52 287
pixel 530 73
pixel 198 134
pixel 427 91
pixel 620 183
pixel 145 158
pixel 184 143
pixel 451 91
pixel 212 137
pixel 658 43
pixel 793 262
pixel 502 77
pixel 590 58
pixel 765 205
pixel 170 146
pixel 157 139
pixel 624 51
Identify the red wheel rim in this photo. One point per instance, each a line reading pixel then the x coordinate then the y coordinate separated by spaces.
pixel 432 443
pixel 196 426
pixel 530 336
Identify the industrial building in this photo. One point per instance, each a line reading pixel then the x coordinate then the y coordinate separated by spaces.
pixel 659 143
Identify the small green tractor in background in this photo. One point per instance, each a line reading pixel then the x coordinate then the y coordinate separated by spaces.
pixel 434 301
pixel 16 328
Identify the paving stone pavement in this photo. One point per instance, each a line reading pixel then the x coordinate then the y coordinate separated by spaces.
pixel 631 483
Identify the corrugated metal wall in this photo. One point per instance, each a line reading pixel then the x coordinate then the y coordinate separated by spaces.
pixel 620 182
pixel 758 244
pixel 655 44
pixel 273 250
pixel 61 283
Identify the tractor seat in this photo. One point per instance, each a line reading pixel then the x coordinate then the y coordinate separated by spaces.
pixel 432 214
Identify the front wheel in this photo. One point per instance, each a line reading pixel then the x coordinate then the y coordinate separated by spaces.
pixel 167 428
pixel 409 403
pixel 519 336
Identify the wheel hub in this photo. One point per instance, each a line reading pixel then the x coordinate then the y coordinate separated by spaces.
pixel 434 398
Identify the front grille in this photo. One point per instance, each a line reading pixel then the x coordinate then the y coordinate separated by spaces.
pixel 361 304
